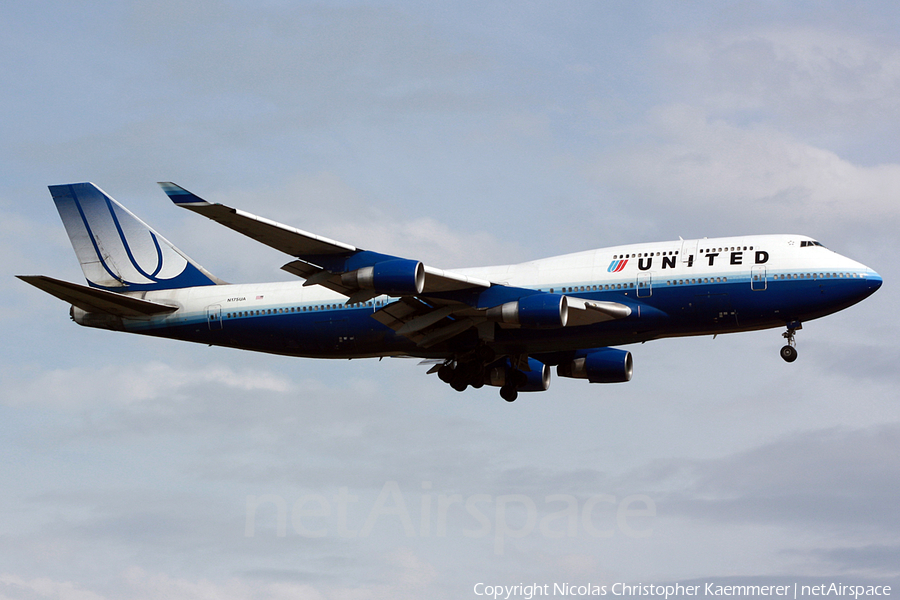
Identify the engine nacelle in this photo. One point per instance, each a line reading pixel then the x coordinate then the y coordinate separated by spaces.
pixel 606 365
pixel 399 277
pixel 539 311
pixel 535 380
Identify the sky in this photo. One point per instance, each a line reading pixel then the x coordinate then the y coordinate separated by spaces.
pixel 459 134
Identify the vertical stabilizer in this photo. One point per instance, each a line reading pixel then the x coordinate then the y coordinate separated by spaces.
pixel 117 250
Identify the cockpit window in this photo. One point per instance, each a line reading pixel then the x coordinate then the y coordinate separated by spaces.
pixel 805 243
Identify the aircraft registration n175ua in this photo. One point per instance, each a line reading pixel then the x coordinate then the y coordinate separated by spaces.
pixel 502 326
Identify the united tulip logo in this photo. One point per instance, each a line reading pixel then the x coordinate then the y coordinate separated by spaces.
pixel 617 265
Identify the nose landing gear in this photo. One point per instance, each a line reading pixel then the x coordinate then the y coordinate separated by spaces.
pixel 789 352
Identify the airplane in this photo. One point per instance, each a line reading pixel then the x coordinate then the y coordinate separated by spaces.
pixel 502 326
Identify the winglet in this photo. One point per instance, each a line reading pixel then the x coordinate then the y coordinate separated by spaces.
pixel 181 196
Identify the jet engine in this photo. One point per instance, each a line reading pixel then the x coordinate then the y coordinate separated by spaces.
pixel 398 277
pixel 540 311
pixel 606 365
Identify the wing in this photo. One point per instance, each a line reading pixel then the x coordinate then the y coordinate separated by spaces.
pixel 324 261
pixel 434 305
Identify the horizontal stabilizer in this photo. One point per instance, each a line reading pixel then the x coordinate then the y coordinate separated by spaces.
pixel 96 300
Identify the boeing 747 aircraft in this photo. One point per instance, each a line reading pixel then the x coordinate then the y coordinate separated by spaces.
pixel 502 326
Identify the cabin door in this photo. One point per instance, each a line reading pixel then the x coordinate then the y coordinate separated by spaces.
pixel 644 285
pixel 758 280
pixel 214 316
pixel 688 251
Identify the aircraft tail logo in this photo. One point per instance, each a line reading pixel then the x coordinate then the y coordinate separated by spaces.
pixel 116 249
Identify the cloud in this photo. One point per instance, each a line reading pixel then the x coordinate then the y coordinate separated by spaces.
pixel 877 559
pixel 309 64
pixel 325 204
pixel 129 459
pixel 836 481
pixel 137 583
pixel 13 587
pixel 814 79
pixel 116 385
pixel 728 176
pixel 410 576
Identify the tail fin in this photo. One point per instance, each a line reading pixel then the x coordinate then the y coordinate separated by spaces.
pixel 117 250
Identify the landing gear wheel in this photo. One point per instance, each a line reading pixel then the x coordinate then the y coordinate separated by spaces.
pixel 446 373
pixel 509 393
pixel 459 386
pixel 789 353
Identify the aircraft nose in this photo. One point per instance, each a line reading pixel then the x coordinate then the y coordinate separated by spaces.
pixel 874 280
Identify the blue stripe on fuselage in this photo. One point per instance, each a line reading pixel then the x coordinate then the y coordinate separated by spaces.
pixel 676 308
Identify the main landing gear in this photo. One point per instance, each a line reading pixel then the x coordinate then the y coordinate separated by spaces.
pixel 789 352
pixel 509 393
pixel 462 375
pixel 479 370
